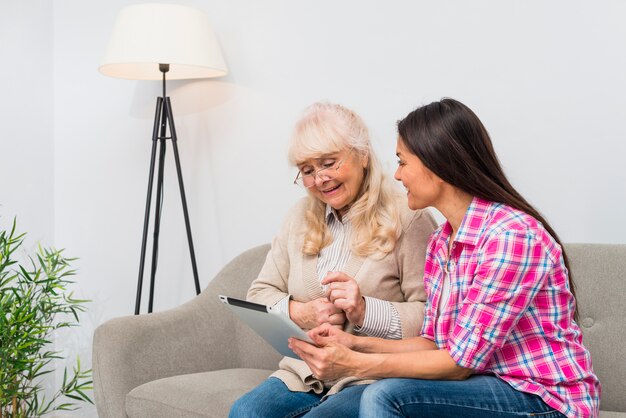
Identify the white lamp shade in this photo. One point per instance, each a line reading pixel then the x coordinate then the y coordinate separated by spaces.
pixel 146 35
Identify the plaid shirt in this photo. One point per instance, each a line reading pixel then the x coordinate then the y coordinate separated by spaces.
pixel 510 310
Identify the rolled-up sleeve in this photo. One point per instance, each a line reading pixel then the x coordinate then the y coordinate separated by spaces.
pixel 512 268
pixel 428 328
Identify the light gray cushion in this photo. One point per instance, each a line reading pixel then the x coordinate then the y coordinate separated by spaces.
pixel 608 414
pixel 599 272
pixel 209 394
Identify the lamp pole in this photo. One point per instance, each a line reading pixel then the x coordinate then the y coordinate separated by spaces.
pixel 162 118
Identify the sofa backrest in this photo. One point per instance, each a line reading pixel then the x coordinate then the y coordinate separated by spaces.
pixel 599 272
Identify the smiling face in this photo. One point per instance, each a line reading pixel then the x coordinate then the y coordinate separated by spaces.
pixel 423 187
pixel 339 183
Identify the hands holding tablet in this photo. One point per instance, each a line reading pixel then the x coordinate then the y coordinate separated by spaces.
pixel 324 316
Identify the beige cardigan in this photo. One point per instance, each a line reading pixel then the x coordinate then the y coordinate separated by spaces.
pixel 397 277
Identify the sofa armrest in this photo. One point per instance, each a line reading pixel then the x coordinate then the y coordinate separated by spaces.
pixel 201 335
pixel 133 350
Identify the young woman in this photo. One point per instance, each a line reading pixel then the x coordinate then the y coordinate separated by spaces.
pixel 355 230
pixel 499 337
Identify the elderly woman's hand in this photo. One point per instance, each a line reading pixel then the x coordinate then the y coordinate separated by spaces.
pixel 309 315
pixel 343 291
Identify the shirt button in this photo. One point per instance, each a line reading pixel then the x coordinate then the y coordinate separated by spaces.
pixel 476 331
pixel 452 265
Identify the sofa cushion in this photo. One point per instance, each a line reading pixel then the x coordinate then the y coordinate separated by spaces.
pixel 209 394
pixel 599 276
pixel 608 414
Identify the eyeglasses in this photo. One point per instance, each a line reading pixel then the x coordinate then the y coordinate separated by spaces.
pixel 327 172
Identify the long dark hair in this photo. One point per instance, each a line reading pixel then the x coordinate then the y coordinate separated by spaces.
pixel 452 142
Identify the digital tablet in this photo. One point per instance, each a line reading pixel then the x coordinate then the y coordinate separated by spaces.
pixel 275 327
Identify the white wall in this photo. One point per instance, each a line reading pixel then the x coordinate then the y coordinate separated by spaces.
pixel 546 78
pixel 27 122
pixel 26 119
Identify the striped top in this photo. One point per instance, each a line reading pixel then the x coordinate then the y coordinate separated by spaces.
pixel 510 311
pixel 381 317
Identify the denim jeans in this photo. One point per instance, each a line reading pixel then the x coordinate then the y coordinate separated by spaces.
pixel 272 399
pixel 480 396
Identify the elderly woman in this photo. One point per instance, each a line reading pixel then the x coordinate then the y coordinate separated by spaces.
pixel 350 255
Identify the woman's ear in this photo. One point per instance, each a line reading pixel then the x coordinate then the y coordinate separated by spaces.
pixel 365 159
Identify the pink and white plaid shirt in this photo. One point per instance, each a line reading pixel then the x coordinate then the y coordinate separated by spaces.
pixel 510 310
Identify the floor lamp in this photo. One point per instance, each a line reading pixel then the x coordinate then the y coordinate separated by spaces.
pixel 155 42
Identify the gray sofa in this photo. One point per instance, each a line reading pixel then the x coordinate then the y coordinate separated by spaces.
pixel 195 360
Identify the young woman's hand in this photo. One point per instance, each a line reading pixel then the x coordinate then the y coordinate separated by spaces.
pixel 326 334
pixel 330 359
pixel 308 315
pixel 343 291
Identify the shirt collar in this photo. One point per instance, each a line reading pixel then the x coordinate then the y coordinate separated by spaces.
pixel 476 216
pixel 331 216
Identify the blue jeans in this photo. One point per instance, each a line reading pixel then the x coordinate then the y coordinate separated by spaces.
pixel 480 396
pixel 272 399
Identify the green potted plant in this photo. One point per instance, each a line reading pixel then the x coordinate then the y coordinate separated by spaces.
pixel 35 302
